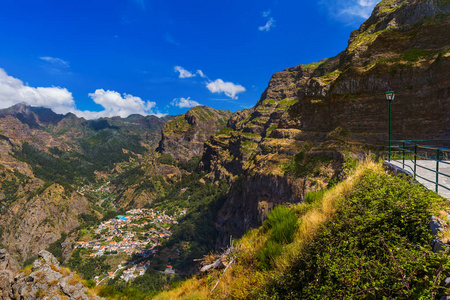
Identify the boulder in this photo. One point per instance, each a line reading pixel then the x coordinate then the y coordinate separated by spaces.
pixel 48 258
pixel 76 291
pixel 436 225
pixel 438 245
pixel 446 282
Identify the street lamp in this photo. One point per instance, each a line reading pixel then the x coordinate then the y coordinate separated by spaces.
pixel 390 95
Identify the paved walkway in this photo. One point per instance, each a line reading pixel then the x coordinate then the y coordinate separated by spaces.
pixel 444 168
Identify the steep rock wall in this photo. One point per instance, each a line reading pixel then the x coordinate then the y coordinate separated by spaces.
pixel 184 136
pixel 336 105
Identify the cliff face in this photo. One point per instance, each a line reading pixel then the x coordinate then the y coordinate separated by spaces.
pixel 311 115
pixel 45 280
pixel 33 223
pixel 184 136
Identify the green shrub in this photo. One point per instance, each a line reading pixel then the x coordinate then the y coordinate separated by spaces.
pixel 90 283
pixel 313 196
pixel 349 164
pixel 268 253
pixel 281 224
pixel 192 164
pixel 167 159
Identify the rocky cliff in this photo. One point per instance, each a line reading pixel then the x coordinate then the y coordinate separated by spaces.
pixel 295 138
pixel 184 136
pixel 46 279
pixel 34 222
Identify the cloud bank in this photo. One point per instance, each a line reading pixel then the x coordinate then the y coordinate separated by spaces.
pixel 184 102
pixel 60 100
pixel 13 91
pixel 115 104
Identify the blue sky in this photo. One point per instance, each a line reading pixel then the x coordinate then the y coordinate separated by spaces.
pixel 104 58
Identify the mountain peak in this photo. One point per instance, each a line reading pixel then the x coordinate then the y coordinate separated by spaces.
pixel 32 116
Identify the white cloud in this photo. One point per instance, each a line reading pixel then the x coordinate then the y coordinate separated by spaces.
pixel 270 22
pixel 58 62
pixel 230 89
pixel 60 100
pixel 115 104
pixel 187 74
pixel 218 86
pixel 350 11
pixel 13 91
pixel 201 74
pixel 183 72
pixel 184 102
pixel 268 26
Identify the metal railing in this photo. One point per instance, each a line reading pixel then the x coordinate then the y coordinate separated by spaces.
pixel 420 150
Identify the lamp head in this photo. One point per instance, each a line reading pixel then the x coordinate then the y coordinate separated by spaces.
pixel 390 95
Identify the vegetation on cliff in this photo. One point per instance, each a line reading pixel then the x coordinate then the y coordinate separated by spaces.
pixel 365 237
pixel 184 136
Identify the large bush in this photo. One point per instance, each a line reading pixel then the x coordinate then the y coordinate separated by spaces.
pixel 377 246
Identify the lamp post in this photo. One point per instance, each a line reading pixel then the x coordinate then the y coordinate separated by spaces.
pixel 389 97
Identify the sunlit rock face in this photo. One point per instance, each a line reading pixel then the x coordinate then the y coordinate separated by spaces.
pixel 335 105
pixel 184 136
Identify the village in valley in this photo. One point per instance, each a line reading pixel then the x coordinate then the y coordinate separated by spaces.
pixel 135 234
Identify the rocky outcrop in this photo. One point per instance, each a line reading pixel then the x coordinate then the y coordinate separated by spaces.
pixel 45 280
pixel 337 105
pixel 184 136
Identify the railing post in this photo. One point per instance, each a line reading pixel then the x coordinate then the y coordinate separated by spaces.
pixel 437 169
pixel 390 137
pixel 415 160
pixel 403 155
